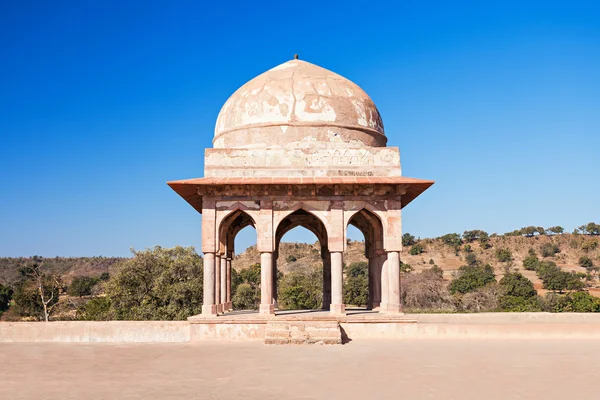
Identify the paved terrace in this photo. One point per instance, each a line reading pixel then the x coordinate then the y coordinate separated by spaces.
pixel 404 369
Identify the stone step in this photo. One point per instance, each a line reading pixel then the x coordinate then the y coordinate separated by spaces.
pixel 303 332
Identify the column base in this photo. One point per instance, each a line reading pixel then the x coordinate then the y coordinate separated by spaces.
pixel 229 306
pixel 220 309
pixel 337 309
pixel 266 309
pixel 393 309
pixel 209 310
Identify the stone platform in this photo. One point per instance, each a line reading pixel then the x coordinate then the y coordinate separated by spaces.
pixel 293 327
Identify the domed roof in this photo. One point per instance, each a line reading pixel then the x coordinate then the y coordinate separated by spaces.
pixel 299 104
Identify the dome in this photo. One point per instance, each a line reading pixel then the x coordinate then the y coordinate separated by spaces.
pixel 297 105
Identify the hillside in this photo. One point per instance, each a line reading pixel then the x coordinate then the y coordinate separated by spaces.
pixel 571 249
pixel 295 255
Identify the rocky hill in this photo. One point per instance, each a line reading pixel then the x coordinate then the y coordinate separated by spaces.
pixel 448 257
pixel 434 252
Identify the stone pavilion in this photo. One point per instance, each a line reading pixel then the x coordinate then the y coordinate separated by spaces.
pixel 301 146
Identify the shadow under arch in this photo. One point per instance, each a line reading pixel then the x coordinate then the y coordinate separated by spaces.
pixel 305 219
pixel 371 226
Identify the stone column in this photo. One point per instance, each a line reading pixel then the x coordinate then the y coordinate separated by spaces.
pixel 224 282
pixel 266 284
pixel 275 257
pixel 208 307
pixel 393 306
pixel 228 288
pixel 218 283
pixel 384 283
pixel 326 279
pixel 337 284
pixel 372 271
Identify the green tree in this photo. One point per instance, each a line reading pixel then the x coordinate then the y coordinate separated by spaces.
pixel 96 309
pixel 451 239
pixel 246 297
pixel 301 289
pixel 359 268
pixel 590 229
pixel 516 285
pixel 481 236
pixel 156 284
pixel 356 284
pixel 557 230
pixel 468 278
pixel 36 292
pixel 580 301
pixel 408 239
pixel 531 262
pixel 556 279
pixel 82 286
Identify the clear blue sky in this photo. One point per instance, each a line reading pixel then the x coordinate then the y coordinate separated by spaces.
pixel 103 102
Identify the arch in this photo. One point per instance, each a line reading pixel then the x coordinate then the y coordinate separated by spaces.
pixel 233 222
pixel 301 217
pixel 281 215
pixel 371 227
pixel 375 213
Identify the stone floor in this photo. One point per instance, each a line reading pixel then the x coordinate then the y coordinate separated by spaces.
pixel 423 369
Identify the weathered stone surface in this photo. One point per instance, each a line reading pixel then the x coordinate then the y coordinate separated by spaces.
pixel 301 146
pixel 303 332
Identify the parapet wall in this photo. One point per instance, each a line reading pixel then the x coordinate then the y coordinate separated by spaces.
pixel 96 331
pixel 427 326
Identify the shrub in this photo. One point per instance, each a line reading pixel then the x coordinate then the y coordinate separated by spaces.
pixel 589 245
pixel 468 278
pixel 571 302
pixel 96 309
pixel 405 267
pixel 81 286
pixel 486 298
pixel 531 262
pixel 416 249
pixel 549 250
pixel 467 248
pixel 503 255
pixel 291 258
pixel 586 262
pixel 104 276
pixel 5 297
pixel 157 284
pixel 431 262
pixel 471 259
pixel 426 291
pixel 246 297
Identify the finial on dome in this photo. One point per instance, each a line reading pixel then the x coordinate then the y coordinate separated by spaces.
pixel 295 56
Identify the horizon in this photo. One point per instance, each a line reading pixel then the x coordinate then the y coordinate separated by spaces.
pixel 102 104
